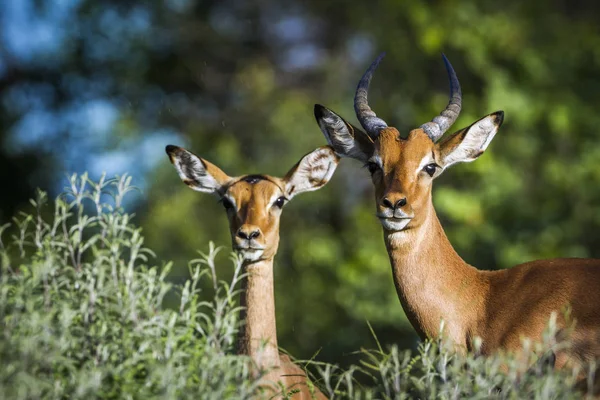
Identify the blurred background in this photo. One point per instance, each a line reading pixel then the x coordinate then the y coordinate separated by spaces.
pixel 104 86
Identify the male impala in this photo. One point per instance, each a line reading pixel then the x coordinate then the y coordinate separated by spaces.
pixel 253 204
pixel 432 281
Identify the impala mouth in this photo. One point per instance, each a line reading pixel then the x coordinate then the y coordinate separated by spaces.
pixel 242 247
pixel 394 224
pixel 250 253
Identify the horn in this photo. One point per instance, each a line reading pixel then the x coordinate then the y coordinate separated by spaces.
pixel 440 124
pixel 365 115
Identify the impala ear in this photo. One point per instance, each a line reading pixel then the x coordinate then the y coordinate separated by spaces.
pixel 197 173
pixel 346 139
pixel 469 143
pixel 312 172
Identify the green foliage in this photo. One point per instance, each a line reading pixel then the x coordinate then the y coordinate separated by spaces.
pixel 82 316
pixel 82 310
pixel 436 371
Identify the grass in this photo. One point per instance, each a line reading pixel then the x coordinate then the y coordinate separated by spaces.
pixel 81 308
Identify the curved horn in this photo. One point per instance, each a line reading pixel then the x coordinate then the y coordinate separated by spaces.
pixel 365 115
pixel 440 124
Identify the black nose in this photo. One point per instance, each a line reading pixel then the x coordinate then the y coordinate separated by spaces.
pixel 386 202
pixel 248 235
pixel 401 203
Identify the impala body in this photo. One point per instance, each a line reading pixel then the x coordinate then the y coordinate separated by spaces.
pixel 432 281
pixel 253 204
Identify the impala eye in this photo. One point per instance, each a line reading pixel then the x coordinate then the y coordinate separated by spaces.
pixel 372 167
pixel 430 168
pixel 279 202
pixel 227 203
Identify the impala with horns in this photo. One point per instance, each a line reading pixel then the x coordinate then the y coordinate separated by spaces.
pixel 253 204
pixel 432 281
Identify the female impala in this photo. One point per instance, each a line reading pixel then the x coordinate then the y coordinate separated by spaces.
pixel 253 204
pixel 432 281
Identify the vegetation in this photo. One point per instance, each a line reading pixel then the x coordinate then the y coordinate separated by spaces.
pixel 82 316
pixel 82 312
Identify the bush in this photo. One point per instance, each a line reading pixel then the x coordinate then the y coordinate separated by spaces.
pixel 437 372
pixel 83 317
pixel 82 310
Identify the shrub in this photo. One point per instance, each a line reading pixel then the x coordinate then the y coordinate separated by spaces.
pixel 82 312
pixel 82 316
pixel 438 372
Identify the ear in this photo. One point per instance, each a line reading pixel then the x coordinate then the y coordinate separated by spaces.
pixel 346 139
pixel 469 143
pixel 312 172
pixel 197 173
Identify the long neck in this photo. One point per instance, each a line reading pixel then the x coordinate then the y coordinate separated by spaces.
pixel 258 336
pixel 433 282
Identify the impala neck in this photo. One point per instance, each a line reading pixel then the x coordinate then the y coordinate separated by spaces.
pixel 433 282
pixel 258 336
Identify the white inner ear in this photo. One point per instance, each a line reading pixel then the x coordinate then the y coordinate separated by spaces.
pixel 489 128
pixel 312 172
pixel 339 137
pixel 192 172
pixel 476 140
pixel 337 134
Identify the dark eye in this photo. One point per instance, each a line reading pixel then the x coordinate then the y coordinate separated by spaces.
pixel 372 167
pixel 227 203
pixel 430 168
pixel 279 202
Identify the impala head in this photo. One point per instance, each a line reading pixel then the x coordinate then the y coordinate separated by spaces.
pixel 253 203
pixel 403 167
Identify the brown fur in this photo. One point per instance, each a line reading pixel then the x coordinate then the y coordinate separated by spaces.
pixel 258 337
pixel 254 211
pixel 434 283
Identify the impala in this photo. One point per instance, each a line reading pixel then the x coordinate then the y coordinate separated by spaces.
pixel 432 281
pixel 253 204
